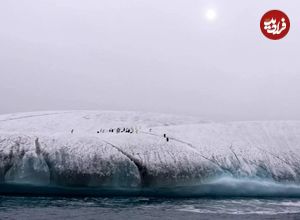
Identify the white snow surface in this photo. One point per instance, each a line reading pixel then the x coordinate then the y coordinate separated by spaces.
pixel 39 148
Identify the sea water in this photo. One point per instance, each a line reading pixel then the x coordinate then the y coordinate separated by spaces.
pixel 16 207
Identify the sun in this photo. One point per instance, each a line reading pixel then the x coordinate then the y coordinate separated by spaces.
pixel 211 14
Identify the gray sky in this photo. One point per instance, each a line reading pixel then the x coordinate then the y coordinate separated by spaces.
pixel 149 55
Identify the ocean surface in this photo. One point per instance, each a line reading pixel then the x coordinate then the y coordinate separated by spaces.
pixel 16 207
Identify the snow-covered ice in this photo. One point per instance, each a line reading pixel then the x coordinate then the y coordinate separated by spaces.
pixel 40 149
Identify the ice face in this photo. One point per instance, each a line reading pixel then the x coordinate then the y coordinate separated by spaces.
pixel 64 149
pixel 30 169
pixel 64 161
pixel 90 161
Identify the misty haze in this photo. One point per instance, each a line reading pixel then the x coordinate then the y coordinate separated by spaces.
pixel 153 56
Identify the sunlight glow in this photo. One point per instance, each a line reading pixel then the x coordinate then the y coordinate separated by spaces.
pixel 211 14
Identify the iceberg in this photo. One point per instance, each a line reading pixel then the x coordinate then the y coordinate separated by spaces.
pixel 66 151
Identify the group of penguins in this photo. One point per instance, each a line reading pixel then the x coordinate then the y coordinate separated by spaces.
pixel 119 130
pixel 127 130
pixel 123 130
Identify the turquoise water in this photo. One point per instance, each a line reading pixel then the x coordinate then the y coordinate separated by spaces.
pixel 226 198
pixel 16 207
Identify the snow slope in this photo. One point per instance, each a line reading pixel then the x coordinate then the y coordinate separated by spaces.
pixel 39 149
pixel 86 121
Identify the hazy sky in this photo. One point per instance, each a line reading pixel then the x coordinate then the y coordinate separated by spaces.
pixel 149 55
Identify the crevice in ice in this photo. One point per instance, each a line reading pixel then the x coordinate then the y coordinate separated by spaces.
pixel 235 155
pixel 143 172
pixel 191 146
pixel 293 166
pixel 274 155
pixel 37 146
